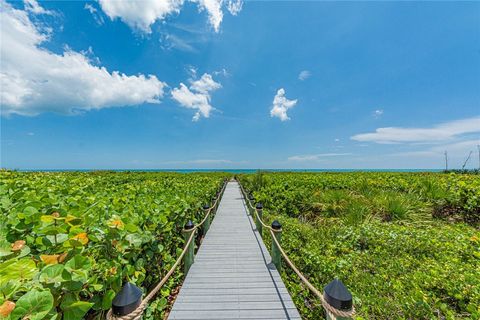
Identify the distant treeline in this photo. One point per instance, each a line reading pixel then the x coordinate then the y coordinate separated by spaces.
pixel 463 171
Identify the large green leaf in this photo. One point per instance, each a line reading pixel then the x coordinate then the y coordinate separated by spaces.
pixel 76 310
pixel 78 262
pixel 134 239
pixel 8 288
pixel 79 267
pixel 33 305
pixel 107 299
pixel 54 274
pixel 28 211
pixel 5 249
pixel 23 269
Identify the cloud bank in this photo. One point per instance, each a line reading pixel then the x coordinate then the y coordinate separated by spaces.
pixel 316 157
pixel 140 15
pixel 439 133
pixel 64 83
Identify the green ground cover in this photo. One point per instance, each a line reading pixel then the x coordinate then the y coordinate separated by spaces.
pixel 407 245
pixel 69 240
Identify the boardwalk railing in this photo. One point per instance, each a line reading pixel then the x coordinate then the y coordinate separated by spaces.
pixel 128 303
pixel 336 298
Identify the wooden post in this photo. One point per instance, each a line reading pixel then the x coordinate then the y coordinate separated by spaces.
pixel 259 208
pixel 251 198
pixel 339 297
pixel 189 254
pixel 276 254
pixel 206 224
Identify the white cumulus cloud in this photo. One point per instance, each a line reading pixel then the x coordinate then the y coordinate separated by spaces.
pixel 205 84
pixel 142 14
pixel 197 96
pixel 214 10
pixel 439 133
pixel 35 80
pixel 281 105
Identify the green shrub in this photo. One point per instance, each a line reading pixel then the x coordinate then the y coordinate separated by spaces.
pixel 68 241
pixel 375 232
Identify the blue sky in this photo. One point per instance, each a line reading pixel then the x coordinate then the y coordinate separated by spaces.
pixel 231 84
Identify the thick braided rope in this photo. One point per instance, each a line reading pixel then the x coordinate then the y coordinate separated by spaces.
pixel 211 208
pixel 325 304
pixel 255 210
pixel 138 312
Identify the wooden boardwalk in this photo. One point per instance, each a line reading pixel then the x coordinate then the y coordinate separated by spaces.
pixel 233 277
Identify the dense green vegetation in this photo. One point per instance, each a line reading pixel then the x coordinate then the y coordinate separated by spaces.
pixel 406 244
pixel 69 240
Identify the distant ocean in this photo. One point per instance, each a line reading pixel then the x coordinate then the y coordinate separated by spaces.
pixel 236 170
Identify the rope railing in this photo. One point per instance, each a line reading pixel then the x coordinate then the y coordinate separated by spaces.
pixel 256 212
pixel 134 310
pixel 138 312
pixel 332 311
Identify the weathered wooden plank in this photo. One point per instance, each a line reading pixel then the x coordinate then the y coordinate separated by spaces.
pixel 232 277
pixel 234 298
pixel 234 305
pixel 235 314
pixel 229 277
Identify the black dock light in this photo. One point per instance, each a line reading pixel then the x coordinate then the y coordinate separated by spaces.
pixel 276 225
pixel 259 206
pixel 189 225
pixel 251 197
pixel 338 296
pixel 206 207
pixel 127 300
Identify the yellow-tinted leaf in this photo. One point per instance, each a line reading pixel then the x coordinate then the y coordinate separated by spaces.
pixel 81 237
pixel 6 308
pixel 73 220
pixel 62 257
pixel 47 218
pixel 117 223
pixel 18 245
pixel 49 258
